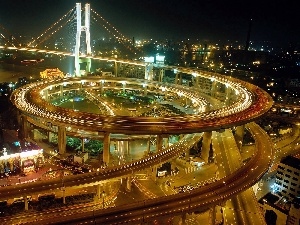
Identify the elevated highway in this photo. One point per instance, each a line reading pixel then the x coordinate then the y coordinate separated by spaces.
pixel 249 103
pixel 242 208
pixel 253 103
pixel 285 147
pixel 199 199
pixel 93 178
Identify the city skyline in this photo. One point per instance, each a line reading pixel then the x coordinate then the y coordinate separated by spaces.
pixel 213 21
pixel 188 127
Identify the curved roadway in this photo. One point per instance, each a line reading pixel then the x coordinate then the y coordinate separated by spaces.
pixel 252 103
pixel 197 199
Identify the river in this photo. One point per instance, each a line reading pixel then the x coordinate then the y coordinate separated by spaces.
pixel 10 72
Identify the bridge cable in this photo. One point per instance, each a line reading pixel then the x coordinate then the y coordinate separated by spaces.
pixel 48 30
pixel 7 40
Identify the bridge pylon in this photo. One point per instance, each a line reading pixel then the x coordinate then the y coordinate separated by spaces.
pixel 85 28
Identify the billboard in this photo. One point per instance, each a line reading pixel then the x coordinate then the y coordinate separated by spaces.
pixel 149 59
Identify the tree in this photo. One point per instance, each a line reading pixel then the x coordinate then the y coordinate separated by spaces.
pixel 73 143
pixel 94 147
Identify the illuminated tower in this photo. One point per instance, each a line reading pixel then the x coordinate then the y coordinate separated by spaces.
pixel 86 29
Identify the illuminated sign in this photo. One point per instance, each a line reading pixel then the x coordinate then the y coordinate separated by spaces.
pixel 149 59
pixel 160 58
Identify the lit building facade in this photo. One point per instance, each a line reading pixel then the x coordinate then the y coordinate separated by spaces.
pixel 52 74
pixel 287 178
pixel 28 160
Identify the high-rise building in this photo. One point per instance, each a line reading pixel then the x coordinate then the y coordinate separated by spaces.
pixel 282 206
pixel 287 178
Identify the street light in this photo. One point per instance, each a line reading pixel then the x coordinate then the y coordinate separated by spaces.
pixel 103 195
pixel 94 215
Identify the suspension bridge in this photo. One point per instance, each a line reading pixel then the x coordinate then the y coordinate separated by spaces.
pixel 70 35
pixel 248 103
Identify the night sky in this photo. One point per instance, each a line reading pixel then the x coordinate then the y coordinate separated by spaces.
pixel 274 21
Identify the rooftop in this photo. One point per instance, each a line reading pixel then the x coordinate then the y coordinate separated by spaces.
pixel 291 161
pixel 276 202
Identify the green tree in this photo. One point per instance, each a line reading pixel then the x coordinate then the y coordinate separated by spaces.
pixel 94 147
pixel 73 143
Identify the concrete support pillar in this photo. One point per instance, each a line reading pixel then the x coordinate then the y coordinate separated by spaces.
pixel 197 81
pixel 176 78
pixel 101 87
pixel 98 194
pixel 106 147
pixel 213 88
pixel 82 144
pixel 188 101
pixel 128 185
pixel 213 215
pixel 46 94
pixel 239 136
pixel 80 86
pixel 64 195
pixel 206 145
pixel 149 72
pixel 121 70
pixel 24 127
pixel 128 147
pixel 159 143
pixel 99 188
pixel 86 29
pixel 173 164
pixel 25 202
pixel 180 79
pixel 61 91
pixel 148 145
pixel 116 69
pixel 88 65
pixel 187 154
pixel 228 95
pixel 154 172
pixel 161 75
pixel 50 136
pixel 163 220
pixel 183 219
pixel 62 139
pixel 166 142
pixel 207 107
pixel 123 87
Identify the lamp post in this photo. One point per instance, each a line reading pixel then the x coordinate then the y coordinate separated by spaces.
pixel 63 186
pixel 94 215
pixel 103 195
pixel 144 213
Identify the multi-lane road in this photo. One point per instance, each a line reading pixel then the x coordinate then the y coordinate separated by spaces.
pixel 242 208
pixel 250 103
pixel 94 178
pixel 198 199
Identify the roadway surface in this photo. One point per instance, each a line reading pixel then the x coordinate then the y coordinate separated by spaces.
pixel 242 208
pixel 252 103
pixel 197 199
pixel 94 178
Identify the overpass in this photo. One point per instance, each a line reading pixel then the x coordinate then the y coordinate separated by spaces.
pixel 243 103
pixel 199 199
pixel 248 102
